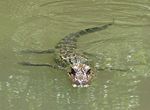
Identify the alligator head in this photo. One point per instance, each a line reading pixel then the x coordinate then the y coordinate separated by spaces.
pixel 81 75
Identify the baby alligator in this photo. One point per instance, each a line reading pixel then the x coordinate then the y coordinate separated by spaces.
pixel 80 71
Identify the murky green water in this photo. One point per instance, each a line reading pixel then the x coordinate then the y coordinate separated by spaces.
pixel 40 24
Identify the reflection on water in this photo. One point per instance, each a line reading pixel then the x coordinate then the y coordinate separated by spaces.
pixel 123 49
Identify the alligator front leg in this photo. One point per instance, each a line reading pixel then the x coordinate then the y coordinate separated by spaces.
pixel 42 65
pixel 38 51
pixel 113 69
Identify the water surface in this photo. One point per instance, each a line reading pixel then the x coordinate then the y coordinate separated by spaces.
pixel 122 48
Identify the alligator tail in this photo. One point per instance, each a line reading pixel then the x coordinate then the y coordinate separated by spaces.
pixel 89 30
pixel 72 38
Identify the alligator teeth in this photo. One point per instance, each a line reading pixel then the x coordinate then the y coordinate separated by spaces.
pixel 74 85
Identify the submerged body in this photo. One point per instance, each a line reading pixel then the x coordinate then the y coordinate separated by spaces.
pixel 80 71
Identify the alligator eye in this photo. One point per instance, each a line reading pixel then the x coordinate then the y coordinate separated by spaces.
pixel 88 72
pixel 72 71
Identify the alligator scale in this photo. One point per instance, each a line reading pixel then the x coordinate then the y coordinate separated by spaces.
pixel 80 71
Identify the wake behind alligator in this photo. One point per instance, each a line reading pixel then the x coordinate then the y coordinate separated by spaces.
pixel 67 55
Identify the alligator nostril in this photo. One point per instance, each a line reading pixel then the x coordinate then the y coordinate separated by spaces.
pixel 84 82
pixel 77 82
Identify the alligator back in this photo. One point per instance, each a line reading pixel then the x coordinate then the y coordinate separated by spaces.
pixel 67 46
